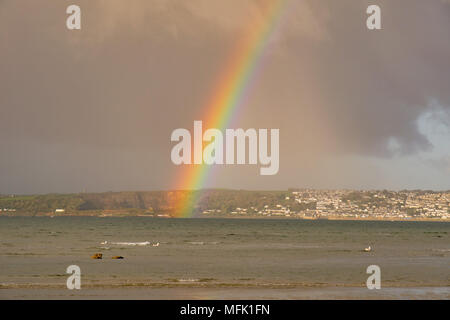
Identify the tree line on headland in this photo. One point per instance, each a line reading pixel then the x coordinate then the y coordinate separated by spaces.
pixel 140 202
pixel 306 203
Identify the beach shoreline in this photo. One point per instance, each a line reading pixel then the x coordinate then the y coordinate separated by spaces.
pixel 304 293
pixel 123 214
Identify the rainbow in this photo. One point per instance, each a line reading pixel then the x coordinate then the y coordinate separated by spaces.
pixel 230 94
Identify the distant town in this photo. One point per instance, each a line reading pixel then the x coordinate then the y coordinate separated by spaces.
pixel 310 204
pixel 293 203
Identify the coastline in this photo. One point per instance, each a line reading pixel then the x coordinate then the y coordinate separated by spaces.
pixel 123 214
pixel 130 293
pixel 307 204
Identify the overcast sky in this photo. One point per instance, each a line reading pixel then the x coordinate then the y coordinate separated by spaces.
pixel 93 110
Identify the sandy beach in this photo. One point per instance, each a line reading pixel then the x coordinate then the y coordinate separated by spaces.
pixel 422 293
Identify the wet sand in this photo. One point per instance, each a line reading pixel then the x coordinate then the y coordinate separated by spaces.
pixel 222 293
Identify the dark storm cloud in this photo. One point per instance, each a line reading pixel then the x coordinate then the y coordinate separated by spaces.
pixel 96 107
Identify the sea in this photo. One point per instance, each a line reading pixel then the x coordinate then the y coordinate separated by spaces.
pixel 168 258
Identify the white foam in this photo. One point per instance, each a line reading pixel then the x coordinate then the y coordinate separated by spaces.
pixel 145 243
pixel 131 244
pixel 188 280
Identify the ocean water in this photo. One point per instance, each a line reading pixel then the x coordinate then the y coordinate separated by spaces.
pixel 225 255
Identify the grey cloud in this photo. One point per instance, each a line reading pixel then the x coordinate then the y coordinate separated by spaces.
pixel 137 70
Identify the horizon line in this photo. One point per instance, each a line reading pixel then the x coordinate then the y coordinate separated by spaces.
pixel 232 189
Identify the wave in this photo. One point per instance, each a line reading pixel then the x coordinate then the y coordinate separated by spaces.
pixel 131 244
pixel 201 243
pixel 188 280
pixel 145 243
